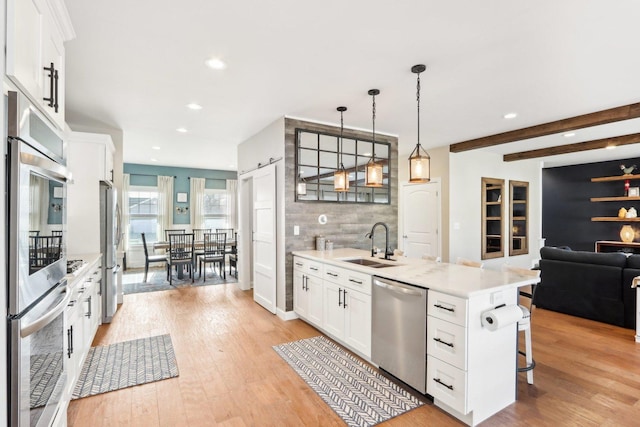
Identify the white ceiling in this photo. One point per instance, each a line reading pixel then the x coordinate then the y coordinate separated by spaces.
pixel 134 66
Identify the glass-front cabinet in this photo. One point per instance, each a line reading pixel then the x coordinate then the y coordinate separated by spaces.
pixel 492 218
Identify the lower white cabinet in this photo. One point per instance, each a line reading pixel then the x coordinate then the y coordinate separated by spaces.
pixel 335 300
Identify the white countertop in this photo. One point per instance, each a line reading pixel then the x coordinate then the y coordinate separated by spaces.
pixel 452 279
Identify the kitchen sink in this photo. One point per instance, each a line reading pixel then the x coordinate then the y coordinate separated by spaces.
pixel 368 263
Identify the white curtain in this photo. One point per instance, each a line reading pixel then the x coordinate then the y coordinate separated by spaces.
pixel 232 203
pixel 165 204
pixel 196 188
pixel 126 227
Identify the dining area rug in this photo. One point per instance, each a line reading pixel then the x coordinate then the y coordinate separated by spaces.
pixel 354 390
pixel 157 280
pixel 126 364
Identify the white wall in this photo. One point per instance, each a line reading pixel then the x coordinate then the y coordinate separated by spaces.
pixel 466 171
pixel 266 144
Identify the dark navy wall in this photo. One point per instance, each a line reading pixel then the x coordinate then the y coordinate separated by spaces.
pixel 148 175
pixel 567 209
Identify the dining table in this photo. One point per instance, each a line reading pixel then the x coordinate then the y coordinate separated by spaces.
pixel 197 244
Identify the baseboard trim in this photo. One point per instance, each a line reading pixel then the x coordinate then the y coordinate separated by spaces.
pixel 286 315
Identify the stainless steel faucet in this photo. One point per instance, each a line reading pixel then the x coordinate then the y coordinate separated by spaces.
pixel 387 252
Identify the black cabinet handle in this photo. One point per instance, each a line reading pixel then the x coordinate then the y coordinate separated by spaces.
pixel 444 308
pixel 51 71
pixel 339 296
pixel 299 264
pixel 443 342
pixel 89 310
pixel 332 274
pixel 450 387
pixel 55 79
pixel 356 281
pixel 313 268
pixel 306 283
pixel 69 343
pixel 344 299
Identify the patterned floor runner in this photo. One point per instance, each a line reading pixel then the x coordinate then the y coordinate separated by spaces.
pixel 126 364
pixel 355 391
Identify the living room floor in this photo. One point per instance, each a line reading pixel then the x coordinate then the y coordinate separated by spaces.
pixel 587 373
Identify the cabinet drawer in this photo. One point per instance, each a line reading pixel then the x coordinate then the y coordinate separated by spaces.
pixel 447 307
pixel 447 384
pixel 334 274
pixel 312 268
pixel 447 342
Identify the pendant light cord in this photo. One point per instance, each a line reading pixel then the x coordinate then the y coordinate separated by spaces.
pixel 418 100
pixel 341 128
pixel 373 156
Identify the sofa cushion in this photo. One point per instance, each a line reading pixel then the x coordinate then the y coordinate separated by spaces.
pixel 633 261
pixel 595 258
pixel 629 296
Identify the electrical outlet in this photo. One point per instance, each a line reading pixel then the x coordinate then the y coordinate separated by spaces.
pixel 296 230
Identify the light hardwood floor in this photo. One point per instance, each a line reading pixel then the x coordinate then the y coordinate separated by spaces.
pixel 587 374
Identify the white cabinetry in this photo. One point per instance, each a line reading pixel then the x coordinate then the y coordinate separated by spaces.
pixel 35 56
pixel 336 300
pixel 468 372
pixel 82 318
pixel 307 290
pixel 90 160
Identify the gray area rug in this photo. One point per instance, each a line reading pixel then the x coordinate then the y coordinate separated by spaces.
pixel 157 280
pixel 126 364
pixel 355 391
pixel 45 370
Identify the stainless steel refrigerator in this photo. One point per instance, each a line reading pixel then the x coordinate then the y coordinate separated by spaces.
pixel 109 241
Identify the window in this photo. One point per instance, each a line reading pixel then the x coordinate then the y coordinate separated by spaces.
pixel 143 214
pixel 215 209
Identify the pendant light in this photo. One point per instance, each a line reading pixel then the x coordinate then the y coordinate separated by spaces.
pixel 419 160
pixel 301 187
pixel 341 177
pixel 373 172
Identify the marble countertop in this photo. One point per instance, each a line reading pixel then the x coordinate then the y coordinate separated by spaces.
pixel 452 279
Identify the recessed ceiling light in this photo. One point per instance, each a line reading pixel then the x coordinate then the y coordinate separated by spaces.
pixel 510 115
pixel 155 147
pixel 569 134
pixel 216 64
pixel 181 130
pixel 194 106
pixel 154 160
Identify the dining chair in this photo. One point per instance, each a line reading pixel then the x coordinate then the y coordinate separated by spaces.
pixel 233 265
pixel 180 255
pixel 524 324
pixel 469 263
pixel 34 233
pixel 150 259
pixel 198 235
pixel 56 232
pixel 170 231
pixel 214 253
pixel 231 239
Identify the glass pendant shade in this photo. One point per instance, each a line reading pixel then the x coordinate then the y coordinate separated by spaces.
pixel 419 165
pixel 341 180
pixel 373 175
pixel 627 234
pixel 301 188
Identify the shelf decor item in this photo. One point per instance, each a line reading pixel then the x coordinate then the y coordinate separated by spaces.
pixel 341 177
pixel 627 233
pixel 622 213
pixel 627 170
pixel 634 191
pixel 419 160
pixel 373 174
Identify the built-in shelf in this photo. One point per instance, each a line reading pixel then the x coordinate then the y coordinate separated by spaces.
pixel 614 199
pixel 518 214
pixel 615 178
pixel 492 218
pixel 614 219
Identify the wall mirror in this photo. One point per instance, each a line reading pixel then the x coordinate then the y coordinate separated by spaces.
pixel 317 159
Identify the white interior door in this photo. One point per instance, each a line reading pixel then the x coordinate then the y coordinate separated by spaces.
pixel 264 237
pixel 421 219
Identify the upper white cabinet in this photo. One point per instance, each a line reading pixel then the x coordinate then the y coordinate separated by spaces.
pixel 35 57
pixel 90 160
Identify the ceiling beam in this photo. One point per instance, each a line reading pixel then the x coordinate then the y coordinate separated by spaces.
pixel 625 112
pixel 574 148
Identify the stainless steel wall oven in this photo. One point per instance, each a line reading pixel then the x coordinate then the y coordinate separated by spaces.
pixel 36 182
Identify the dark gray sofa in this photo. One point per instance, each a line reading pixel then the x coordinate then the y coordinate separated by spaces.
pixel 592 285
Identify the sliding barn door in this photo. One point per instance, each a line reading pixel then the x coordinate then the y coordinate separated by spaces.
pixel 264 237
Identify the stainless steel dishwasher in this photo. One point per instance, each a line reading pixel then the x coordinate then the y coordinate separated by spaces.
pixel 399 331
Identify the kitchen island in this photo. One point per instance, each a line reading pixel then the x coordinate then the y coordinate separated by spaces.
pixel 470 369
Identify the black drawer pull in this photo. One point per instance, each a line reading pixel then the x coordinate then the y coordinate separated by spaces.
pixel 443 342
pixel 356 281
pixel 444 308
pixel 299 264
pixel 332 274
pixel 313 268
pixel 450 387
